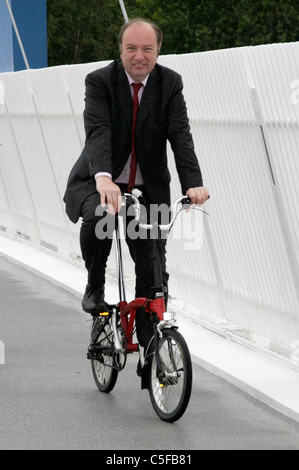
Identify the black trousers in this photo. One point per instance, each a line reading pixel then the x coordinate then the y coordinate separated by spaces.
pixel 96 238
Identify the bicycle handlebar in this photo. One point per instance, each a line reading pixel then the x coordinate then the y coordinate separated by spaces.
pixel 136 194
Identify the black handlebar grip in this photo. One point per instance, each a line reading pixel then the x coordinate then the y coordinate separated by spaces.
pixel 186 201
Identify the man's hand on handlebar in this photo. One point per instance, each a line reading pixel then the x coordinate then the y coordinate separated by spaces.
pixel 110 194
pixel 198 195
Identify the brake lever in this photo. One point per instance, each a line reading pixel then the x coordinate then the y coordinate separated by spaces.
pixel 186 203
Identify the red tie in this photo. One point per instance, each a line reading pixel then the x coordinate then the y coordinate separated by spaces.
pixel 133 168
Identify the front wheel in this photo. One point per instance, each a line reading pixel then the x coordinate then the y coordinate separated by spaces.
pixel 170 377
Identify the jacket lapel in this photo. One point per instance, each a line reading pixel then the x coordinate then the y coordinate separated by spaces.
pixel 149 97
pixel 123 93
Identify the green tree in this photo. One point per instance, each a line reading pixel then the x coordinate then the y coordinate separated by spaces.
pixel 82 30
pixel 86 30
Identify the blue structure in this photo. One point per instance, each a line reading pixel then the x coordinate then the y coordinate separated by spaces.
pixel 31 20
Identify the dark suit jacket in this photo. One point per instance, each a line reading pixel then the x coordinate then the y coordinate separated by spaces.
pixel 108 124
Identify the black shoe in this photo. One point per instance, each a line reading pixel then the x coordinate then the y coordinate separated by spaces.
pixel 143 373
pixel 93 301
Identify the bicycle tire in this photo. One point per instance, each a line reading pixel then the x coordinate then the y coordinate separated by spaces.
pixel 170 392
pixel 105 375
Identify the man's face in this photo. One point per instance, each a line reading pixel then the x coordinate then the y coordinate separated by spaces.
pixel 139 50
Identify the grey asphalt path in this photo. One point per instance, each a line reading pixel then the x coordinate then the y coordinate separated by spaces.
pixel 48 399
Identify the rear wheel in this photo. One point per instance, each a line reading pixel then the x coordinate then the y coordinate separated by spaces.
pixel 170 387
pixel 105 375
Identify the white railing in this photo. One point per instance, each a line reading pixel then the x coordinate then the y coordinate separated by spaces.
pixel 244 113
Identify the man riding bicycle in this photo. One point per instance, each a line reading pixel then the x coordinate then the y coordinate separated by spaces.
pixel 106 169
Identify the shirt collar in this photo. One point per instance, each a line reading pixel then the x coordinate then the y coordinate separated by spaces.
pixel 144 82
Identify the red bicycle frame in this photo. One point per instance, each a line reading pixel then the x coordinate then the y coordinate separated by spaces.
pixel 155 304
pixel 128 310
pixel 128 313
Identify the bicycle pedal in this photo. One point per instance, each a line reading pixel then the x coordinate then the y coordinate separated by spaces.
pixel 90 355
